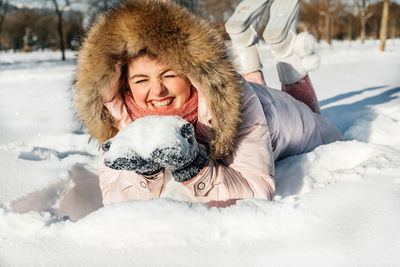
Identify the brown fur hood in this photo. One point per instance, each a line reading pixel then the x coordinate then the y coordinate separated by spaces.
pixel 186 42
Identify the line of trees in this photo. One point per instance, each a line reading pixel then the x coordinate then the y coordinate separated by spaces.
pixel 59 26
pixel 40 29
pixel 359 19
pixel 332 19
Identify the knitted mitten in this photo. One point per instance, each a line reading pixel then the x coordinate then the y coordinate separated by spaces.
pixel 175 158
pixel 152 143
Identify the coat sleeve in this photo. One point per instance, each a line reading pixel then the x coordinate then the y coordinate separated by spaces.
pixel 122 185
pixel 249 171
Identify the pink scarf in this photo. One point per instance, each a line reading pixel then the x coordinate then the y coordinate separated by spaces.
pixel 188 111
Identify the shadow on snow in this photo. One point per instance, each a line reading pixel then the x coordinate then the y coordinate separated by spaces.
pixel 344 116
pixel 347 95
pixel 43 153
pixel 291 172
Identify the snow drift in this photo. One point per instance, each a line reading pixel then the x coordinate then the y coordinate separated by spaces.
pixel 336 205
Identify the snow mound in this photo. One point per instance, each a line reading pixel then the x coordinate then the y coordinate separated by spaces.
pixel 148 134
pixel 337 205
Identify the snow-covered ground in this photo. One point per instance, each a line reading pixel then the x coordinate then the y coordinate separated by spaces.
pixel 337 205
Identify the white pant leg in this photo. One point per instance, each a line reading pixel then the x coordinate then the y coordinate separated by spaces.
pixel 242 28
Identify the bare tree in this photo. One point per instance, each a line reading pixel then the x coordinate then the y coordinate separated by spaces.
pixel 3 12
pixel 349 23
pixel 219 10
pixel 342 19
pixel 310 19
pixel 60 28
pixel 322 18
pixel 325 10
pixel 329 11
pixel 384 24
pixel 364 14
pixel 394 19
pixel 60 23
pixel 96 7
pixel 15 27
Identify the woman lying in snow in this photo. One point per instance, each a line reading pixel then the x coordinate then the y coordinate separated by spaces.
pixel 147 58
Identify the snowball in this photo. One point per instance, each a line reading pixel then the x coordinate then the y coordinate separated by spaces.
pixel 147 134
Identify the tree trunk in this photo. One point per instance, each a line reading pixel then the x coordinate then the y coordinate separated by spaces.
pixel 384 24
pixel 4 6
pixel 349 31
pixel 332 27
pixel 362 33
pixel 59 29
pixel 328 29
pixel 393 30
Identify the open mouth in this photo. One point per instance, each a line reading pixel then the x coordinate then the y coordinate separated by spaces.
pixel 162 104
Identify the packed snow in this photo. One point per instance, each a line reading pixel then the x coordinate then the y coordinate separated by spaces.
pixel 336 205
pixel 169 143
pixel 157 132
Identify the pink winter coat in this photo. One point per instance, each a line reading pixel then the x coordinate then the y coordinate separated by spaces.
pixel 248 173
pixel 274 125
pixel 247 126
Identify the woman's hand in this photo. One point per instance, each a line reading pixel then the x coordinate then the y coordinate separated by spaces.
pixel 114 84
pixel 152 143
pixel 131 161
pixel 186 159
pixel 255 77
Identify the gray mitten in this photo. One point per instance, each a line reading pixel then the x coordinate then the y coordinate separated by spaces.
pixel 185 158
pixel 130 161
pixel 154 142
pixel 192 168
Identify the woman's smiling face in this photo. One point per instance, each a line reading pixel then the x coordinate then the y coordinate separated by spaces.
pixel 155 86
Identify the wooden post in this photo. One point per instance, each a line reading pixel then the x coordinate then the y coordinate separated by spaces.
pixel 384 24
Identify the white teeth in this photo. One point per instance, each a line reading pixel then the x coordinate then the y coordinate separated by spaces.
pixel 161 104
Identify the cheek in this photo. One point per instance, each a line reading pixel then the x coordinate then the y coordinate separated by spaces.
pixel 139 94
pixel 182 89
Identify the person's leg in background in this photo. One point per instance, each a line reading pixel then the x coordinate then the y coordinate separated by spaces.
pixel 242 28
pixel 293 52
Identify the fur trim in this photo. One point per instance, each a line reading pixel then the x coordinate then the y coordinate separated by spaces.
pixel 188 43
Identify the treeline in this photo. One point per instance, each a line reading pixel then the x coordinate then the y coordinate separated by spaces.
pixel 62 27
pixel 30 29
pixel 328 19
pixel 358 19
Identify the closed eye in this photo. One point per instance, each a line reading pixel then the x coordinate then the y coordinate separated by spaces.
pixel 140 81
pixel 170 76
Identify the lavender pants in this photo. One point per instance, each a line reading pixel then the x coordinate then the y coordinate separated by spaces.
pixel 294 127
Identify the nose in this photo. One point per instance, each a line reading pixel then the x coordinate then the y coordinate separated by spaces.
pixel 158 88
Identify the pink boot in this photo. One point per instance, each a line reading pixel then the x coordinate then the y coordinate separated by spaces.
pixel 304 92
